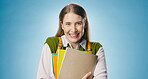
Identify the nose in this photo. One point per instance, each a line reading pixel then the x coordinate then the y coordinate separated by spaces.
pixel 73 28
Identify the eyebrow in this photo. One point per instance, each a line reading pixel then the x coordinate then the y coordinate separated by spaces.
pixel 75 22
pixel 79 21
pixel 67 22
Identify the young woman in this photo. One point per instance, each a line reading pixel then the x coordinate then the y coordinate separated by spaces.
pixel 73 32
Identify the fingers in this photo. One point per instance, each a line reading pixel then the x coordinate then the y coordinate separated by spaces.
pixel 87 75
pixel 50 78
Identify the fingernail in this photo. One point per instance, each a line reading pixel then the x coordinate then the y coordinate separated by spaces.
pixel 89 72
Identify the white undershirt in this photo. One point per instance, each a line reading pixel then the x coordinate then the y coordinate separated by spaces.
pixel 45 69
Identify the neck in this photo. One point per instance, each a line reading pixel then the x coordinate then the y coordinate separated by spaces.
pixel 74 45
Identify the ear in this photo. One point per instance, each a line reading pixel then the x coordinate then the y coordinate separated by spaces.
pixel 61 24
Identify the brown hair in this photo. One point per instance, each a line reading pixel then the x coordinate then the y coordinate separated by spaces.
pixel 77 9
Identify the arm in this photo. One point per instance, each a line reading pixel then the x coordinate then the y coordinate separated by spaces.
pixel 45 64
pixel 100 70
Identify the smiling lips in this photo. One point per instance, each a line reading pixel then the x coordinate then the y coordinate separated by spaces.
pixel 74 35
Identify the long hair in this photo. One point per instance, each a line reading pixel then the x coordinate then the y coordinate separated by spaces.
pixel 77 9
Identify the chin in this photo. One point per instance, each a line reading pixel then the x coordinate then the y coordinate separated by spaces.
pixel 74 40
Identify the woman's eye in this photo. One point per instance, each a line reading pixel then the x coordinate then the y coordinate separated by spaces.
pixel 68 24
pixel 78 23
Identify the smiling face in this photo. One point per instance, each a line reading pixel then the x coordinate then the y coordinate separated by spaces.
pixel 73 27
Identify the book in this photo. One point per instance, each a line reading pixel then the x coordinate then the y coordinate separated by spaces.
pixel 76 64
pixel 60 60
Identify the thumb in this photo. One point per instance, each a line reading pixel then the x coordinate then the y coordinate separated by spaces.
pixel 87 75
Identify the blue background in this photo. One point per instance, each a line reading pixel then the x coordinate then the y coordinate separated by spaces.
pixel 121 26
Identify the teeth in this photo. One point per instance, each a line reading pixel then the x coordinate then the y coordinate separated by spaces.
pixel 74 35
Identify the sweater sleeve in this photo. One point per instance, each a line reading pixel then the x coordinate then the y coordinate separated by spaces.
pixel 45 64
pixel 100 69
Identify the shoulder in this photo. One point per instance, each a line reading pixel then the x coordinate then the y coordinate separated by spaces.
pixel 52 43
pixel 49 39
pixel 95 46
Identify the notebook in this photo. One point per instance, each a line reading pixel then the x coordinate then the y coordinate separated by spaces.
pixel 76 64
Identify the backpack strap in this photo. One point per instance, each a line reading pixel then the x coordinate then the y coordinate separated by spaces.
pixel 89 46
pixel 60 44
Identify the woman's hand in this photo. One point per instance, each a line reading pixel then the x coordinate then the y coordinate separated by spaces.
pixel 87 75
pixel 50 78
